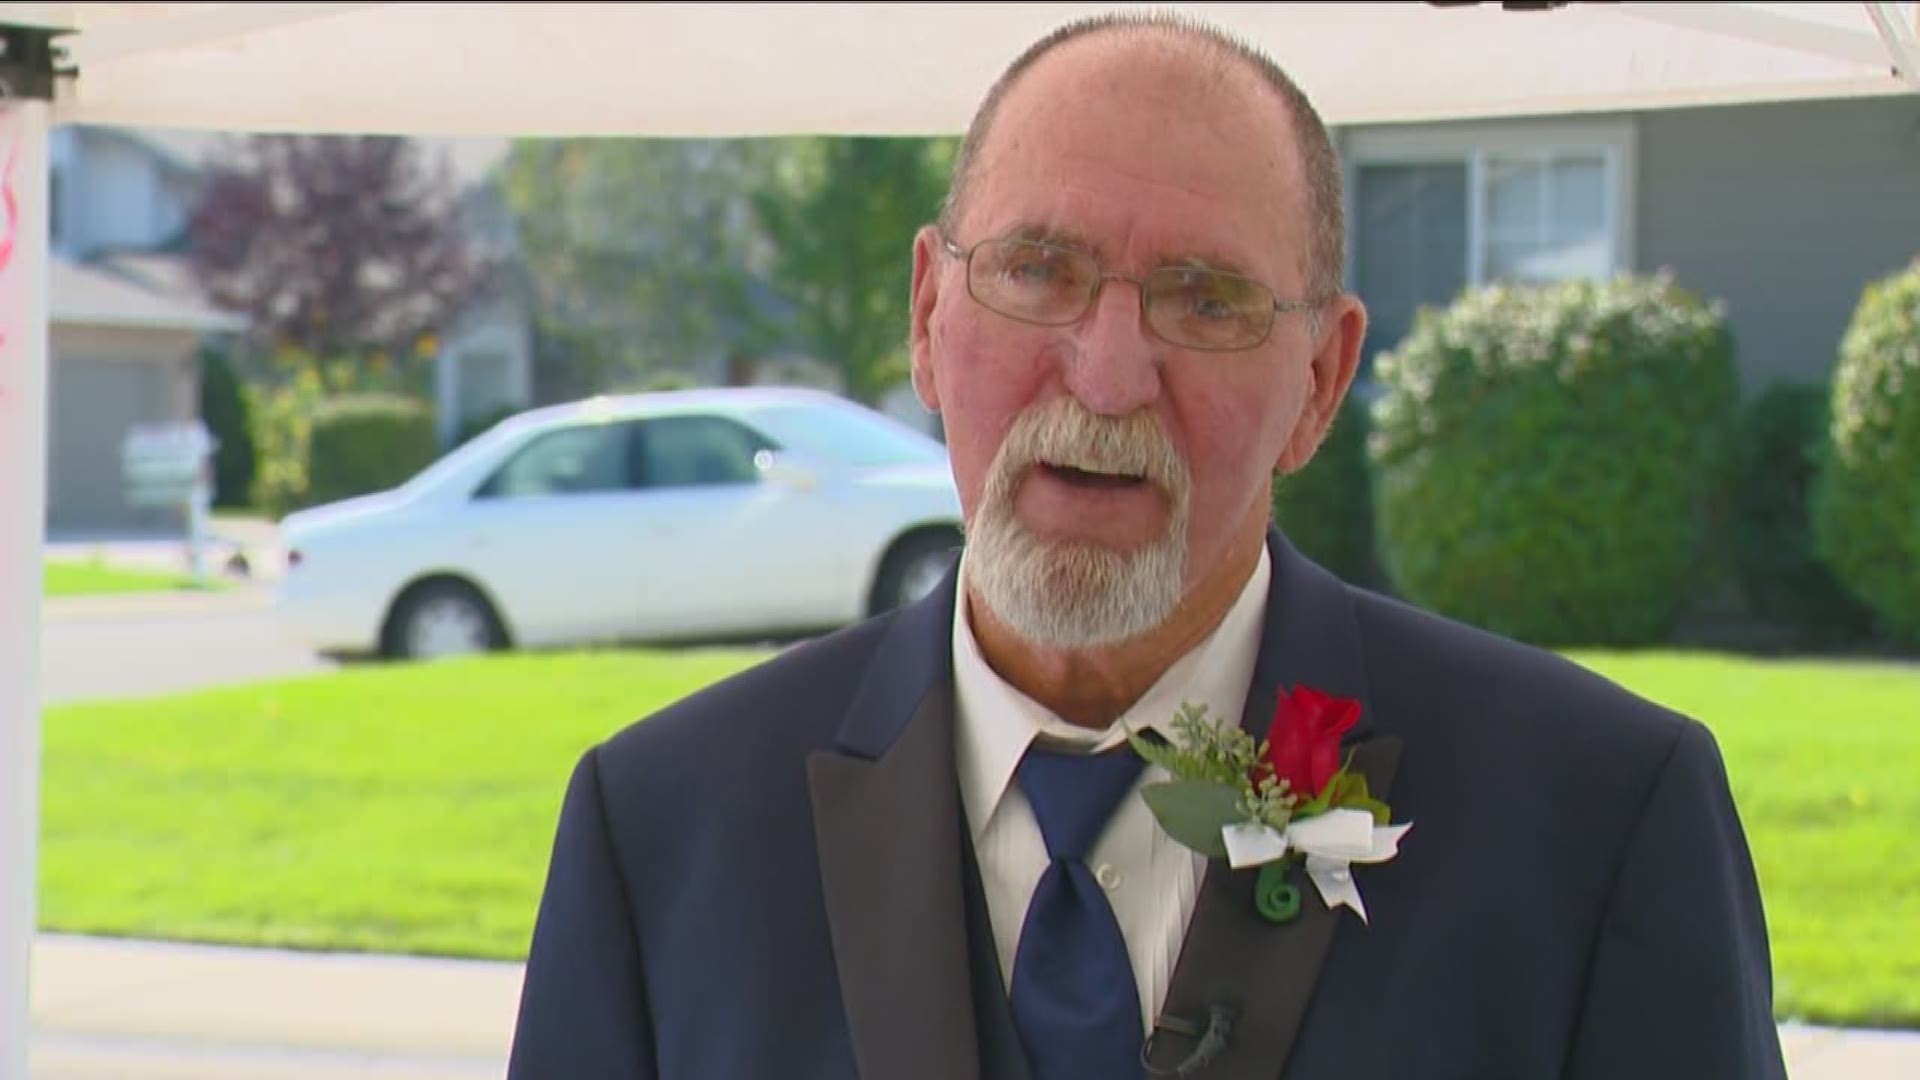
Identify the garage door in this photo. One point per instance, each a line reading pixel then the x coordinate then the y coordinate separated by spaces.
pixel 93 404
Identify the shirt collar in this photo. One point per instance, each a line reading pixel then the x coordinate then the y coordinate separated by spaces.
pixel 996 722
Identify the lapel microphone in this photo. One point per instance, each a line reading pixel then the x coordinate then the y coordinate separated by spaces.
pixel 1209 1041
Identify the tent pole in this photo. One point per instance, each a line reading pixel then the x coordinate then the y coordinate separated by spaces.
pixel 1777 29
pixel 1903 44
pixel 23 469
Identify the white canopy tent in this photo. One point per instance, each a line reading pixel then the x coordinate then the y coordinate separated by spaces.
pixel 750 69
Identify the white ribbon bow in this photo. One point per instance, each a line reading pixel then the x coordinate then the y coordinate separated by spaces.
pixel 1331 842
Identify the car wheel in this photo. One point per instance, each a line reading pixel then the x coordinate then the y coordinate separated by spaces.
pixel 441 619
pixel 913 568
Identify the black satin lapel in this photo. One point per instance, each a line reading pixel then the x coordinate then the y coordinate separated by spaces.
pixel 888 834
pixel 1262 973
pixel 1311 637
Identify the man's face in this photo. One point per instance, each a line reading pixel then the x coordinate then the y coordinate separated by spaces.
pixel 1135 465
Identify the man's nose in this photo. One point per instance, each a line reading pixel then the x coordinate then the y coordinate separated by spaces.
pixel 1115 365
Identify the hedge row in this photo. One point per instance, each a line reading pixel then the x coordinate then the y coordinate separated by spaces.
pixel 315 447
pixel 1571 465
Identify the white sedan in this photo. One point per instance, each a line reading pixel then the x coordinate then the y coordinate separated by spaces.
pixel 676 515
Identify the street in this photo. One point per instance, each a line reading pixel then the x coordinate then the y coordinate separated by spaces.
pixel 116 647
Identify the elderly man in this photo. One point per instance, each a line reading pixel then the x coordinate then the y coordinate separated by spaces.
pixel 919 848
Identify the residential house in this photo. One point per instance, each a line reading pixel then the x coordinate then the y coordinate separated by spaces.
pixel 128 321
pixel 125 322
pixel 484 365
pixel 1784 211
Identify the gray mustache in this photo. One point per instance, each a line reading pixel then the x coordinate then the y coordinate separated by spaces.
pixel 1066 433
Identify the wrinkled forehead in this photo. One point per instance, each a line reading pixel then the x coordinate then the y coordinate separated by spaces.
pixel 1144 154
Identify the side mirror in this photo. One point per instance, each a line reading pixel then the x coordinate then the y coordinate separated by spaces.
pixel 784 470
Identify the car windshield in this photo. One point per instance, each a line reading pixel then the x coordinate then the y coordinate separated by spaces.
pixel 854 437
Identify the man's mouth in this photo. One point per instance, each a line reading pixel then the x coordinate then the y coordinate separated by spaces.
pixel 1089 479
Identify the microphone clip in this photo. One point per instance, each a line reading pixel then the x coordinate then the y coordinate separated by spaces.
pixel 1209 1042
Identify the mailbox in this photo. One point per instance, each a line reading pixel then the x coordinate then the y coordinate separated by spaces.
pixel 170 466
pixel 162 463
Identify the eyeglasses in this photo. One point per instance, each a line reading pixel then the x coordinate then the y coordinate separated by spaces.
pixel 1188 306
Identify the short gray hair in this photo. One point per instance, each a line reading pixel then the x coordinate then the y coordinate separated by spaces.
pixel 1326 267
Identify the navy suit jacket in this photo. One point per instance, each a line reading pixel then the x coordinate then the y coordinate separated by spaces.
pixel 772 878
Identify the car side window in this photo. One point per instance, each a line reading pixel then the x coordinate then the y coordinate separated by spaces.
pixel 697 451
pixel 569 461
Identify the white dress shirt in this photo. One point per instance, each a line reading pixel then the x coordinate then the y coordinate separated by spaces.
pixel 1150 880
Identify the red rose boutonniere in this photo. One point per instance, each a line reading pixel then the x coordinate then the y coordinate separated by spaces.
pixel 1263 804
pixel 1303 745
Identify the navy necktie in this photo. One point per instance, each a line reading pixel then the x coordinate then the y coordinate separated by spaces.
pixel 1074 998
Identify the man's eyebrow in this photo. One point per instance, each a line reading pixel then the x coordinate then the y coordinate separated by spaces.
pixel 1057 235
pixel 1063 236
pixel 1201 261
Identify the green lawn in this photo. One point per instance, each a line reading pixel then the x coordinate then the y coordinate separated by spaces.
pixel 1825 764
pixel 391 808
pixel 410 809
pixel 93 579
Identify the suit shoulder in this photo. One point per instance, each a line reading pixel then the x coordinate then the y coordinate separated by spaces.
pixel 1518 748
pixel 1519 690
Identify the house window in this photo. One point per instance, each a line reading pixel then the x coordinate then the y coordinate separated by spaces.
pixel 1410 243
pixel 1546 217
pixel 1441 209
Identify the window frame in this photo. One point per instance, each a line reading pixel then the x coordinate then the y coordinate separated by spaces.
pixel 1613 139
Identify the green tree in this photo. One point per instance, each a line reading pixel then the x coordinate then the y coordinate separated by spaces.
pixel 639 253
pixel 224 409
pixel 841 214
pixel 282 418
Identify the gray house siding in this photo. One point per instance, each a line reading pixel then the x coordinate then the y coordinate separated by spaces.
pixel 1785 211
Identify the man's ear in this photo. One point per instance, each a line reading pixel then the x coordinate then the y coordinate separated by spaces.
pixel 1336 357
pixel 927 254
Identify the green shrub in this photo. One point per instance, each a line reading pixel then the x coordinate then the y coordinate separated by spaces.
pixel 1546 458
pixel 366 442
pixel 225 411
pixel 1867 500
pixel 1326 508
pixel 282 438
pixel 1783 434
pixel 314 447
